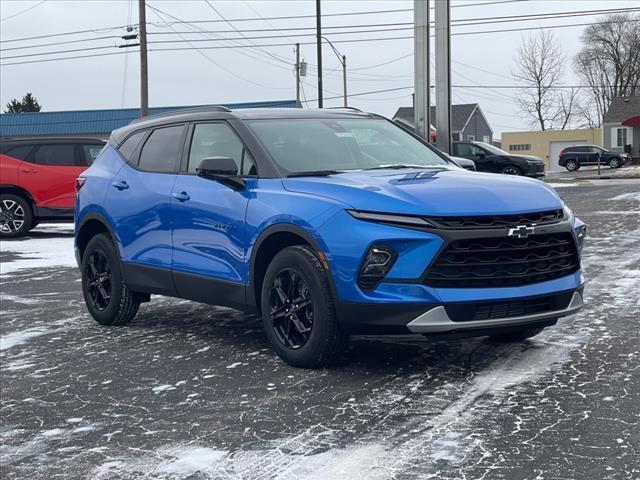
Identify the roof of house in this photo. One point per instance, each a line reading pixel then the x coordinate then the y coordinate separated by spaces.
pixel 84 122
pixel 622 108
pixel 460 115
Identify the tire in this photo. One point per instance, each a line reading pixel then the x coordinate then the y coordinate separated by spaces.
pixel 16 216
pixel 101 278
pixel 517 336
pixel 511 170
pixel 310 336
pixel 571 165
pixel 615 162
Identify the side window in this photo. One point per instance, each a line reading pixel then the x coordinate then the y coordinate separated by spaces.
pixel 218 140
pixel 464 150
pixel 162 150
pixel 91 152
pixel 59 155
pixel 19 152
pixel 129 146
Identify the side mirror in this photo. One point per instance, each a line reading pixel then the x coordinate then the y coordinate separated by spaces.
pixel 221 169
pixel 481 155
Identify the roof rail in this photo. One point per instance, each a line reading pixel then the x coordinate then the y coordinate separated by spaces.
pixel 208 108
pixel 344 108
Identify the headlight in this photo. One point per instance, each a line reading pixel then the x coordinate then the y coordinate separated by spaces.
pixel 376 264
pixel 568 214
pixel 581 234
pixel 405 220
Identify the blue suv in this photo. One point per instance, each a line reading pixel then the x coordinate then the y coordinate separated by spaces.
pixel 325 223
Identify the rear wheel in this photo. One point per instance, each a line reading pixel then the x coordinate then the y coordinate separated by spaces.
pixel 298 310
pixel 108 299
pixel 511 170
pixel 517 336
pixel 16 216
pixel 571 165
pixel 615 162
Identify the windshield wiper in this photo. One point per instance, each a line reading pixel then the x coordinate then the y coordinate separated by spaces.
pixel 314 173
pixel 398 166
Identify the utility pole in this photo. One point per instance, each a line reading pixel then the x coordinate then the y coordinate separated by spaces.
pixel 298 104
pixel 144 74
pixel 344 79
pixel 421 70
pixel 443 74
pixel 319 48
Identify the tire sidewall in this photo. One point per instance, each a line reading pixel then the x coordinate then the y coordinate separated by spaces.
pixel 323 307
pixel 510 167
pixel 104 244
pixel 28 215
pixel 571 165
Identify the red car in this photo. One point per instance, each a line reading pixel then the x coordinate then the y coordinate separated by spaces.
pixel 37 180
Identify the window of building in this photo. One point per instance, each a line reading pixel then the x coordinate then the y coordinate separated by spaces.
pixel 218 140
pixel 59 155
pixel 471 138
pixel 486 139
pixel 161 151
pixel 620 137
pixel 520 147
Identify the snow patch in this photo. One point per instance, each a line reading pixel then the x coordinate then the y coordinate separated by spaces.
pixel 13 339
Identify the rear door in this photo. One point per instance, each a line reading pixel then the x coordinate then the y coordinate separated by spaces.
pixel 139 200
pixel 49 175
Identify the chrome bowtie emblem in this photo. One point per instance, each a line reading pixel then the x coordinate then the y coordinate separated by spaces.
pixel 522 231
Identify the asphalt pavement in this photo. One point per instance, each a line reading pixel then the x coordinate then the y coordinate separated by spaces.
pixel 192 391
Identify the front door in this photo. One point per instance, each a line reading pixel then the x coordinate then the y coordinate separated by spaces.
pixel 209 217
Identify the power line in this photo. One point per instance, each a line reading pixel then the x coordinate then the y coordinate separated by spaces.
pixel 23 11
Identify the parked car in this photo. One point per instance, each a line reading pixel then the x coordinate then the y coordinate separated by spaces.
pixel 325 223
pixel 572 158
pixel 38 180
pixel 495 160
pixel 464 163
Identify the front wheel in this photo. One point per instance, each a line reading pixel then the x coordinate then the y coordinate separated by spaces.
pixel 16 217
pixel 615 163
pixel 298 310
pixel 511 170
pixel 108 299
pixel 517 336
pixel 571 165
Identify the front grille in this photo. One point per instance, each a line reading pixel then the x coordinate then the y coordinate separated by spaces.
pixel 469 311
pixel 503 262
pixel 497 221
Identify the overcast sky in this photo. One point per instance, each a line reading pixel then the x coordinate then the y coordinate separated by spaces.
pixel 186 77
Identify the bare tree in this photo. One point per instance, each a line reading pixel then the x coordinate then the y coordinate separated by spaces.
pixel 540 67
pixel 609 61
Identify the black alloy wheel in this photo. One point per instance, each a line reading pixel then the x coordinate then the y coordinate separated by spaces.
pixel 291 311
pixel 98 278
pixel 511 170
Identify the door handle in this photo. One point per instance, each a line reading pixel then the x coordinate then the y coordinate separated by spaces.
pixel 181 197
pixel 29 170
pixel 120 185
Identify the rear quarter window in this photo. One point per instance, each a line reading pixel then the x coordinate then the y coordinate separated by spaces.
pixel 20 152
pixel 130 145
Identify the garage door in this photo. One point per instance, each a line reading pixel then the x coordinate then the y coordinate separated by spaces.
pixel 554 152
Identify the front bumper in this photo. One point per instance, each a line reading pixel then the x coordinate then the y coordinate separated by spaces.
pixel 436 318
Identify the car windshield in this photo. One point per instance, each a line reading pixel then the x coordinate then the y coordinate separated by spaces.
pixel 491 148
pixel 312 145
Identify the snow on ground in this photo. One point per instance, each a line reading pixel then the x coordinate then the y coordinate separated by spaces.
pixel 45 247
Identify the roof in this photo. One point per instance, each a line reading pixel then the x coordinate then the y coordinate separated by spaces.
pixel 622 108
pixel 87 122
pixel 218 113
pixel 460 115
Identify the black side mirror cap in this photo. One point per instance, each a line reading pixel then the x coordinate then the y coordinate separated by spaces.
pixel 221 169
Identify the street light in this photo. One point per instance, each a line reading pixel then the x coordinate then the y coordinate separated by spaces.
pixel 343 62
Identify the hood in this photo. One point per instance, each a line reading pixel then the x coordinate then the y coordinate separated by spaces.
pixel 431 192
pixel 531 158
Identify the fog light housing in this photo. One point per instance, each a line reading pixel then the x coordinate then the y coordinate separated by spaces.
pixel 581 233
pixel 377 263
